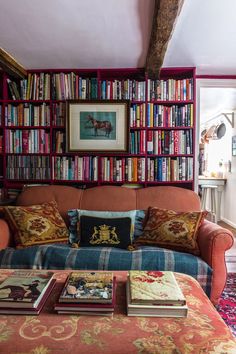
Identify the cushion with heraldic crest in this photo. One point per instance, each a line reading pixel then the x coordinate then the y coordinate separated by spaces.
pixel 104 232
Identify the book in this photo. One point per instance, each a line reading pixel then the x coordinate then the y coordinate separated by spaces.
pixel 90 287
pixel 85 313
pixel 29 311
pixel 24 288
pixel 154 310
pixel 155 288
pixel 87 307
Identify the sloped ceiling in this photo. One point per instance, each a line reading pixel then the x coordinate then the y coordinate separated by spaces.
pixel 115 33
pixel 76 33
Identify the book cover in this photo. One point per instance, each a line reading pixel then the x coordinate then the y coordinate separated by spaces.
pixel 29 311
pixel 154 310
pixel 24 288
pixel 82 286
pixel 93 307
pixel 155 288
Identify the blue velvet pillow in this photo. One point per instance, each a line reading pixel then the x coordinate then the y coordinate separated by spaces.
pixel 75 214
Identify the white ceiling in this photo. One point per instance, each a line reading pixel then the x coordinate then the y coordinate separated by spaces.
pixel 76 33
pixel 115 33
pixel 204 37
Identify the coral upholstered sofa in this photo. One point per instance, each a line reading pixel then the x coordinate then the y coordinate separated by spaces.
pixel 208 267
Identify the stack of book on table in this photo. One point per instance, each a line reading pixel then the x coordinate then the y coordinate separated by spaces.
pixel 24 292
pixel 88 293
pixel 154 293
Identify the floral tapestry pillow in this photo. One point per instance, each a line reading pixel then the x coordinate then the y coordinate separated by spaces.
pixel 36 224
pixel 171 229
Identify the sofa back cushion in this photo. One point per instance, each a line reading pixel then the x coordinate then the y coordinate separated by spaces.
pixel 114 198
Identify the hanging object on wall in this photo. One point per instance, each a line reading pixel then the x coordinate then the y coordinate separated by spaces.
pixel 215 132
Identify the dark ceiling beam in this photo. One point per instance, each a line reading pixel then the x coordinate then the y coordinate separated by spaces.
pixel 165 17
pixel 11 66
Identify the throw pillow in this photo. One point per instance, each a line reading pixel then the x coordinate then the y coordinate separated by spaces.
pixel 75 214
pixel 36 224
pixel 171 229
pixel 111 232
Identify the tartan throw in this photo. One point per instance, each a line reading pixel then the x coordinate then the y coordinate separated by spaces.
pixel 58 256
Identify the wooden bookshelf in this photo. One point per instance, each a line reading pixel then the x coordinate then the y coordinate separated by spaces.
pixel 161 128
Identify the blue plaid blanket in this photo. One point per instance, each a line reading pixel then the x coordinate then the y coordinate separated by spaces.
pixel 58 256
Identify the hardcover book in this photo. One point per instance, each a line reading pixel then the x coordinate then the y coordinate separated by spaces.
pixel 32 310
pixel 24 288
pixel 155 288
pixel 87 307
pixel 154 310
pixel 90 287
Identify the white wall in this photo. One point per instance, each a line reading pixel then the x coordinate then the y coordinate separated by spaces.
pixel 229 197
pixel 228 203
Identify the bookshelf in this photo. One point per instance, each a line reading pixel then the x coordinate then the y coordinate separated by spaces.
pixel 161 128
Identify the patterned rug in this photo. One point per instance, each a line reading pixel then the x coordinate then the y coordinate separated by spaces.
pixel 227 304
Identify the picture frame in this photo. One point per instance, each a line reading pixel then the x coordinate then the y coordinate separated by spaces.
pixel 97 126
pixel 234 145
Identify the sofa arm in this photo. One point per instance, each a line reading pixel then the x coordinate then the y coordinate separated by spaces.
pixel 213 241
pixel 5 236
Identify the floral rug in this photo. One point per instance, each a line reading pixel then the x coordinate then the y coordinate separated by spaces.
pixel 227 304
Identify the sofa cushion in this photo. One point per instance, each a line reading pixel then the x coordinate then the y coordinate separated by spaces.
pixel 105 232
pixel 171 229
pixel 36 224
pixel 75 214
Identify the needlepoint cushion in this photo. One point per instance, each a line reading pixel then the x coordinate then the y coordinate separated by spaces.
pixel 171 229
pixel 75 215
pixel 36 224
pixel 105 232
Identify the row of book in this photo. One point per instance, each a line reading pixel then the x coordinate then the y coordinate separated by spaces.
pixel 111 169
pixel 130 169
pixel 35 87
pixel 161 142
pixel 152 115
pixel 167 169
pixel 27 141
pixel 148 293
pixel 170 89
pixel 138 115
pixel 59 142
pixel 73 86
pixel 169 116
pixel 127 89
pixel 25 114
pixel 28 167
pixel 78 168
pixel 137 142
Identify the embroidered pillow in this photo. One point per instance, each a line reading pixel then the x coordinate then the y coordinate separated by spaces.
pixel 103 232
pixel 36 224
pixel 171 229
pixel 75 214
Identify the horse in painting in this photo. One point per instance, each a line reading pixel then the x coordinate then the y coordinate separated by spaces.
pixel 100 124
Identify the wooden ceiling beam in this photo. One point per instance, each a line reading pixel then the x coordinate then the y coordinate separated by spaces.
pixel 165 16
pixel 11 66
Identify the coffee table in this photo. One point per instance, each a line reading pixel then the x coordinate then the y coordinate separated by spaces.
pixel 203 331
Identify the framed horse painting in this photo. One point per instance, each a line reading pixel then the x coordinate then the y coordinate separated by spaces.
pixel 98 126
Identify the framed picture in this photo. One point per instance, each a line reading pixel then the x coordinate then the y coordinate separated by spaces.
pixel 98 125
pixel 234 145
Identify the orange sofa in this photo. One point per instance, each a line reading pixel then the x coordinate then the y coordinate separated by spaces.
pixel 213 240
